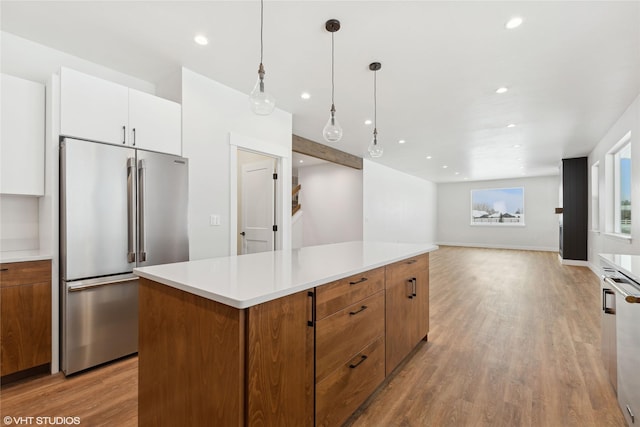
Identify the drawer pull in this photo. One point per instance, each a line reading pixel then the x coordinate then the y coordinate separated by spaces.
pixel 364 279
pixel 412 261
pixel 353 313
pixel 4 269
pixel 362 359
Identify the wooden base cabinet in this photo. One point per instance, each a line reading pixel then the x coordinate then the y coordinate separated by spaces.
pixel 25 316
pixel 203 363
pixel 349 345
pixel 407 308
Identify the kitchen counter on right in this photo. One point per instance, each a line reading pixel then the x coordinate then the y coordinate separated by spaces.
pixel 629 265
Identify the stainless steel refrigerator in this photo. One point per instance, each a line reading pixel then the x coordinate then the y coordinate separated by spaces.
pixel 120 208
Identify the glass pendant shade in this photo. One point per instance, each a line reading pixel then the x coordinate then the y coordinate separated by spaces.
pixel 261 102
pixel 332 131
pixel 375 150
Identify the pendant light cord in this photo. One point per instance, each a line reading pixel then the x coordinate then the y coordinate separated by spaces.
pixel 261 28
pixel 375 100
pixel 332 70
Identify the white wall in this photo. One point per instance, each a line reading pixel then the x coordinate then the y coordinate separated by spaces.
pixel 397 207
pixel 210 112
pixel 598 240
pixel 19 223
pixel 331 199
pixel 540 231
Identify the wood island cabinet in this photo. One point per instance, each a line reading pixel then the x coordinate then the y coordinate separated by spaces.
pixel 349 344
pixel 407 313
pixel 306 359
pixel 206 363
pixel 25 316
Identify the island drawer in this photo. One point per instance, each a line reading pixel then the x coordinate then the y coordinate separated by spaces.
pixel 336 295
pixel 409 266
pixel 25 273
pixel 346 388
pixel 340 336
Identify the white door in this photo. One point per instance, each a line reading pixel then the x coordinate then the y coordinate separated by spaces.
pixel 258 207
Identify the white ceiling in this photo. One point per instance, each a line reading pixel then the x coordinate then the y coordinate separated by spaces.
pixel 572 68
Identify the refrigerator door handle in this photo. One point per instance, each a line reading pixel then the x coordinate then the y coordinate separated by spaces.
pixel 90 284
pixel 142 254
pixel 131 254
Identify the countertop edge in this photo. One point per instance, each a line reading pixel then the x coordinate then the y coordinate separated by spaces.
pixel 271 295
pixel 17 257
pixel 607 259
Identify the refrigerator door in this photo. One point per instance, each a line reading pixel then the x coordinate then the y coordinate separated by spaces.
pixel 97 209
pixel 162 208
pixel 100 318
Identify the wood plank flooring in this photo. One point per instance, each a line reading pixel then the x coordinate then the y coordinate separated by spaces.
pixel 514 341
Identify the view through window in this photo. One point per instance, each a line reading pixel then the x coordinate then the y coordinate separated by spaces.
pixel 622 208
pixel 497 206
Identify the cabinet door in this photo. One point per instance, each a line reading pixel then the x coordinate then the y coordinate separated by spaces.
pixel 280 354
pixel 402 311
pixel 22 142
pixel 25 316
pixel 155 123
pixel 92 108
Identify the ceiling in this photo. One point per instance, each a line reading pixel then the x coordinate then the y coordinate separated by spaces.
pixel 572 68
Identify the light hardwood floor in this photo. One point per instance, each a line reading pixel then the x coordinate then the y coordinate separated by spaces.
pixel 514 341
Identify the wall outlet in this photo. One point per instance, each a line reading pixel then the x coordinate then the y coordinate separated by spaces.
pixel 214 220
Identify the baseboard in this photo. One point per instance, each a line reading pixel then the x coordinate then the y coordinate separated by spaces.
pixel 574 262
pixel 491 246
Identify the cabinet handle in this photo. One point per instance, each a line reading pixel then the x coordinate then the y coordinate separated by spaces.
pixel 312 310
pixel 353 313
pixel 364 279
pixel 415 286
pixel 413 261
pixel 633 417
pixel 411 294
pixel 607 310
pixel 4 269
pixel 134 136
pixel 362 359
pixel 124 134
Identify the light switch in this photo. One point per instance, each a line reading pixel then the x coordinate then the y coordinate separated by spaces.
pixel 214 220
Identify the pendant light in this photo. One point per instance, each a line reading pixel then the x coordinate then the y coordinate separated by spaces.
pixel 332 132
pixel 375 150
pixel 261 102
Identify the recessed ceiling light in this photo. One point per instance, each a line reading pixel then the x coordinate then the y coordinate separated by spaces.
pixel 301 161
pixel 513 23
pixel 444 166
pixel 502 89
pixel 519 159
pixel 457 173
pixel 429 157
pixel 201 40
pixel 465 178
pixel 521 167
pixel 511 125
pixel 305 95
pixel 402 141
pixel 367 122
pixel 516 146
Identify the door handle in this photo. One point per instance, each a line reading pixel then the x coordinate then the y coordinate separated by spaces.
pixel 243 233
pixel 134 136
pixel 362 308
pixel 362 359
pixel 124 134
pixel 411 293
pixel 131 255
pixel 607 310
pixel 312 311
pixel 364 279
pixel 142 167
pixel 414 282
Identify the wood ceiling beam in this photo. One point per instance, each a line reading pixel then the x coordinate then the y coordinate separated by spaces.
pixel 320 151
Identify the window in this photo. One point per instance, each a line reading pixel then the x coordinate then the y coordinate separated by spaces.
pixel 622 188
pixel 497 206
pixel 595 196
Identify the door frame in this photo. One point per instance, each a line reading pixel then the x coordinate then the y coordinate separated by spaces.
pixel 283 187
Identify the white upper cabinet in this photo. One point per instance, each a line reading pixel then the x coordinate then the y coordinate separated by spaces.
pixel 92 108
pixel 103 111
pixel 22 140
pixel 154 123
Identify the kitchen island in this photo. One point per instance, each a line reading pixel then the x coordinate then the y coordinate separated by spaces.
pixel 297 337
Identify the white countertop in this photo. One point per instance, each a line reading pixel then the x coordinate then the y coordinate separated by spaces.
pixel 629 265
pixel 246 280
pixel 23 256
